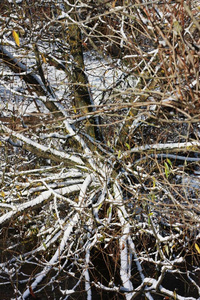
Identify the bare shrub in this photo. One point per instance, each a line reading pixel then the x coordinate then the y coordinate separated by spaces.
pixel 99 150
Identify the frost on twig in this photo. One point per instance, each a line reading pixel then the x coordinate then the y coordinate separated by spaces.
pixel 99 150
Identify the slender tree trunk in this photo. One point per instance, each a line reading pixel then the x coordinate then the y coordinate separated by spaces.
pixel 78 79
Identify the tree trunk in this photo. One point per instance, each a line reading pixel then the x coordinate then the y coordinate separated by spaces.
pixel 78 80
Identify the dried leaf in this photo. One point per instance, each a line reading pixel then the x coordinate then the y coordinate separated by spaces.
pixel 2 194
pixel 197 248
pixel 166 247
pixel 16 37
pixel 109 211
pixel 113 3
pixel 43 58
pixel 74 109
pixel 31 292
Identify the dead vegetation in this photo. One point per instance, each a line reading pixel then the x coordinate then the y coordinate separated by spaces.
pixel 113 213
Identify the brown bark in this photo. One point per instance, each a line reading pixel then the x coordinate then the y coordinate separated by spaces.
pixel 78 79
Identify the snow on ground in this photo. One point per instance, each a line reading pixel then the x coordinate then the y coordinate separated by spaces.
pixel 102 74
